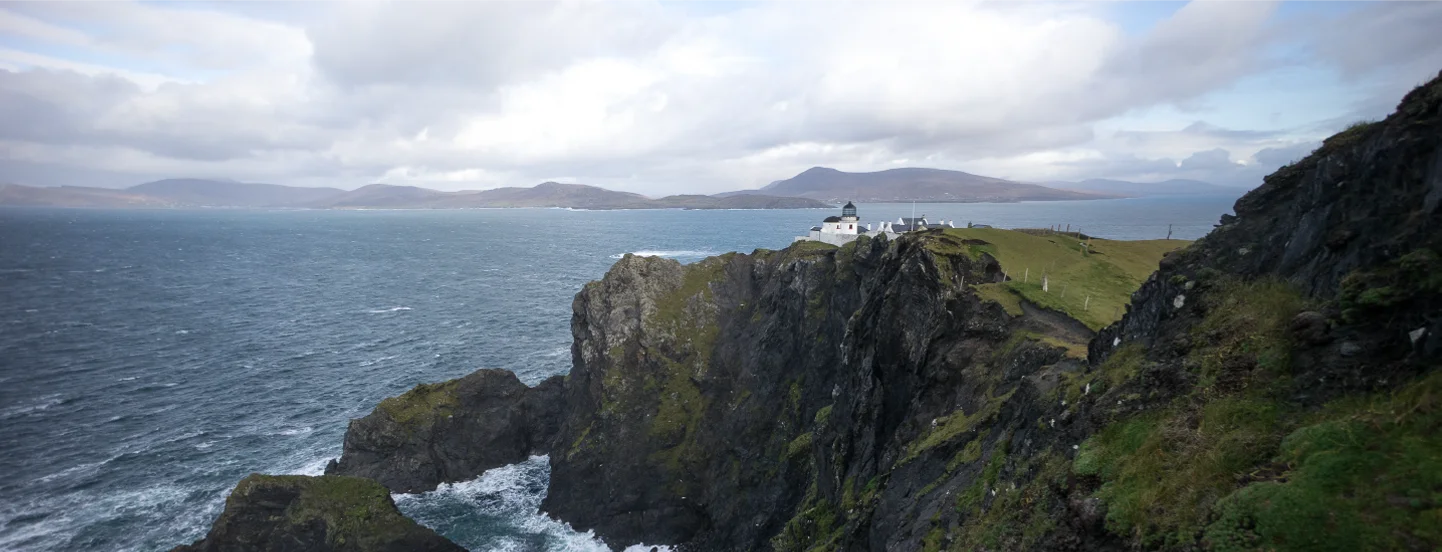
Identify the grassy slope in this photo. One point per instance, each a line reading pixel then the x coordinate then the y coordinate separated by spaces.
pixel 1108 274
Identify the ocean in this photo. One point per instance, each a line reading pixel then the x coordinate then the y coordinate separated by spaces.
pixel 149 359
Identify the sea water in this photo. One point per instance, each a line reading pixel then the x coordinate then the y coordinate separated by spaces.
pixel 151 359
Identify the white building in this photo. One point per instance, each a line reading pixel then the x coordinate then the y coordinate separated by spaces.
pixel 847 227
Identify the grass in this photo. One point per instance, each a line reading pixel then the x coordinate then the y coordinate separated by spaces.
pixel 1368 476
pixel 952 425
pixel 816 526
pixel 358 512
pixel 1164 472
pixel 1414 277
pixel 1108 271
pixel 423 404
pixel 1020 515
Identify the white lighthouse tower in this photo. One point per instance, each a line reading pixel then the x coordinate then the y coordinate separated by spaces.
pixel 844 224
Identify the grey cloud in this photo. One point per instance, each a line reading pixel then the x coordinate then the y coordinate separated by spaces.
pixel 67 108
pixel 1352 42
pixel 475 44
pixel 1215 166
pixel 1204 46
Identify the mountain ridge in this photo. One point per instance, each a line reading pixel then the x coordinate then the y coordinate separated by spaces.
pixel 191 192
pixel 915 184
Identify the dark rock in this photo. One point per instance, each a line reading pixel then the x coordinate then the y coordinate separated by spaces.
pixel 452 431
pixel 1310 327
pixel 1349 349
pixel 296 513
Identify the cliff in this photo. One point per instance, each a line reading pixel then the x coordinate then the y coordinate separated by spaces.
pixel 1272 386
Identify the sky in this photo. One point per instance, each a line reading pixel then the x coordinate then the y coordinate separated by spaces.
pixel 689 97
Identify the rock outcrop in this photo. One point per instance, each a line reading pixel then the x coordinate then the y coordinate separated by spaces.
pixel 708 401
pixel 311 514
pixel 452 431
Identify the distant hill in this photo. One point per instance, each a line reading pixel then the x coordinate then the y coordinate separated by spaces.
pixel 1142 189
pixel 74 196
pixel 382 196
pixel 220 193
pixel 912 184
pixel 555 194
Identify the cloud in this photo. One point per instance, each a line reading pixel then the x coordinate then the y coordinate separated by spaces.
pixel 657 98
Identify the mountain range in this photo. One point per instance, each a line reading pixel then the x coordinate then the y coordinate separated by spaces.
pixel 914 184
pixel 218 193
pixel 817 187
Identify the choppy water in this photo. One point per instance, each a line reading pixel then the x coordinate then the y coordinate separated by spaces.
pixel 150 359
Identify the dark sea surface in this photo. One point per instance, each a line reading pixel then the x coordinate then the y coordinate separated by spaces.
pixel 151 359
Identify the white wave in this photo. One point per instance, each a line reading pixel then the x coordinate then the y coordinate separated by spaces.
pixel 72 511
pixel 39 405
pixel 182 332
pixel 131 378
pixel 85 468
pixel 513 495
pixel 314 467
pixel 669 253
pixel 392 309
pixel 294 431
pixel 377 361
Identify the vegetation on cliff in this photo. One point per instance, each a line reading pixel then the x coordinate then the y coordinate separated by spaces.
pixel 296 512
pixel 1090 280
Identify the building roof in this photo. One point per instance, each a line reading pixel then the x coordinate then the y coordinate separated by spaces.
pixel 848 206
pixel 832 219
pixel 815 228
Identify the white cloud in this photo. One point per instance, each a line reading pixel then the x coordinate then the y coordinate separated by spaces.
pixel 654 99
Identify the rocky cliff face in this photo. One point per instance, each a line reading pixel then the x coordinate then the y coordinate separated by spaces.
pixel 452 431
pixel 330 513
pixel 708 401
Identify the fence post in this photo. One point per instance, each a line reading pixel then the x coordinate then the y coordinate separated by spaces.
pixel 1086 305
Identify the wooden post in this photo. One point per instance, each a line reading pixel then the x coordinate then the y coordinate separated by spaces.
pixel 1043 283
pixel 1068 228
pixel 1169 231
pixel 1026 276
pixel 1086 305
